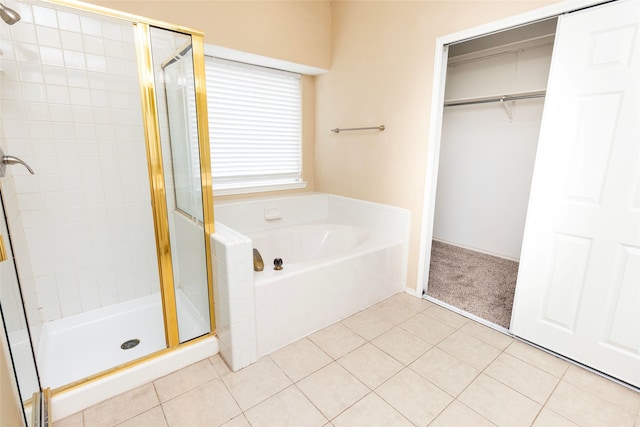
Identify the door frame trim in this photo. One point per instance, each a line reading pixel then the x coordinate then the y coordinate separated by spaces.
pixel 437 102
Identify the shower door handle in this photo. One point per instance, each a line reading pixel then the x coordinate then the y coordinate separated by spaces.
pixel 12 160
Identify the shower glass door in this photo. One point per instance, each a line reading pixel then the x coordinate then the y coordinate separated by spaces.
pixel 16 329
pixel 82 226
pixel 172 55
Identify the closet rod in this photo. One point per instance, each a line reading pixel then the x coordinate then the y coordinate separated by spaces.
pixel 530 95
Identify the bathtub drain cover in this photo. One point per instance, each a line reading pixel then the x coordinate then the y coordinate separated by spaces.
pixel 130 344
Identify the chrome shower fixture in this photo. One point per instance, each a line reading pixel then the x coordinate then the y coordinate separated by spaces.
pixel 9 15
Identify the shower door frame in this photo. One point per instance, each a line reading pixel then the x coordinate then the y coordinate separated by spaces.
pixel 150 123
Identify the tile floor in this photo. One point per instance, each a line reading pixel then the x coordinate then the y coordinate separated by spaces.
pixel 402 362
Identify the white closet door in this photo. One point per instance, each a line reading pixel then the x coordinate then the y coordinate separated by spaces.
pixel 578 289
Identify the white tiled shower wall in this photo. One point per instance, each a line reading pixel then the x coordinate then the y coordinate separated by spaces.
pixel 82 226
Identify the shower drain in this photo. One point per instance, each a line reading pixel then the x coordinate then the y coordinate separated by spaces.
pixel 129 344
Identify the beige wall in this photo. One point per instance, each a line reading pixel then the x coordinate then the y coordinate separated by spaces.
pixel 382 59
pixel 9 414
pixel 295 31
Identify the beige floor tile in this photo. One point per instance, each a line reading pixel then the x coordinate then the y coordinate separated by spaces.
pixel 410 301
pixel 151 418
pixel 603 387
pixel 370 365
pixel 499 403
pixel 337 340
pixel 538 358
pixel 469 349
pixel 287 408
pixel 460 415
pixel 397 310
pixel 447 372
pixel 520 376
pixel 209 404
pixel 255 383
pixel 239 421
pixel 299 359
pixel 487 335
pixel 332 389
pixel 548 418
pixel 586 409
pixel 184 380
pixel 122 407
pixel 401 345
pixel 446 316
pixel 74 420
pixel 219 364
pixel 414 397
pixel 368 324
pixel 371 411
pixel 427 328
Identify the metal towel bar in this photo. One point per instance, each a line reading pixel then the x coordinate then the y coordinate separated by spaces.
pixel 338 130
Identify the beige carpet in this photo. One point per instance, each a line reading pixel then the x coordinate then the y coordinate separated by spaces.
pixel 481 284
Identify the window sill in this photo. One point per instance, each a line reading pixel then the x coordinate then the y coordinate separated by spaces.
pixel 259 188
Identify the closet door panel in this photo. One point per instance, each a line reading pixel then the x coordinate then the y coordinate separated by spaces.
pixel 578 289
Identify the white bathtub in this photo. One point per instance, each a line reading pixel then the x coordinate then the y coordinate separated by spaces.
pixel 330 271
pixel 340 255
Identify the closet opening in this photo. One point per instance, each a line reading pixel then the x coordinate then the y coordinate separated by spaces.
pixel 493 102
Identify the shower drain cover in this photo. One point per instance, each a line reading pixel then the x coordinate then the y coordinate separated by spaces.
pixel 130 344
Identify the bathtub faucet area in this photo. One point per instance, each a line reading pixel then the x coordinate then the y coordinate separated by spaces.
pixel 343 255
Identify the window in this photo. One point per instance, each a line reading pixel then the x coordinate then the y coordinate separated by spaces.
pixel 254 127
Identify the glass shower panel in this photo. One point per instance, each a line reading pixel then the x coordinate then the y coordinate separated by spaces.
pixel 14 319
pixel 82 226
pixel 176 101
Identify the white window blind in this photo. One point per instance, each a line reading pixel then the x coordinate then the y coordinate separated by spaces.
pixel 254 125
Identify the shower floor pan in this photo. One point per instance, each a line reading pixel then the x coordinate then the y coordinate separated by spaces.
pixel 83 345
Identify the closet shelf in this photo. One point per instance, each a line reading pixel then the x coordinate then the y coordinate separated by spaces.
pixel 502 98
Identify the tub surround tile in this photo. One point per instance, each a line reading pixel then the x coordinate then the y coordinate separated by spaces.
pixel 444 370
pixel 234 297
pixel 460 415
pixel 414 397
pixel 209 404
pixel 122 407
pixel 427 328
pixel 287 408
pixel 151 418
pixel 401 345
pixel 337 340
pixel 548 418
pixel 184 380
pixel 603 388
pixel 587 409
pixel 299 359
pixel 538 358
pixel 371 411
pixel 370 365
pixel 255 383
pixel 368 324
pixel 332 389
pixel 487 397
pixel 534 383
pixel 469 349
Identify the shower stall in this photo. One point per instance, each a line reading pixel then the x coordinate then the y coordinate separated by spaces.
pixel 106 243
